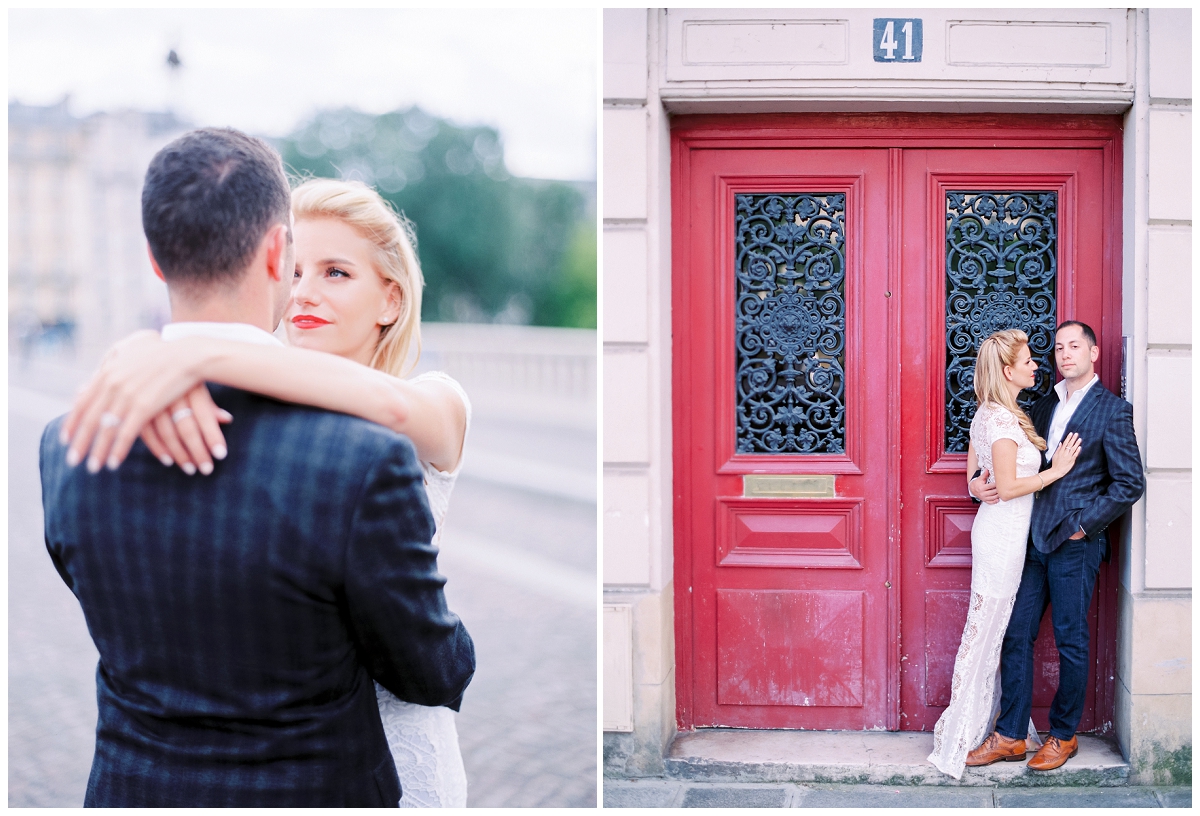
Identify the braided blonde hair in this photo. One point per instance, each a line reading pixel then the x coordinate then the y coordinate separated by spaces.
pixel 997 351
pixel 395 242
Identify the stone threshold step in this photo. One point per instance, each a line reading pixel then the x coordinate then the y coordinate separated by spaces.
pixel 869 757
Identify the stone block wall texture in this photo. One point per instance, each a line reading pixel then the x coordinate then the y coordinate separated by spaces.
pixel 1154 667
pixel 636 438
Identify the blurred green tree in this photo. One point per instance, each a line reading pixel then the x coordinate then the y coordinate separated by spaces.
pixel 492 247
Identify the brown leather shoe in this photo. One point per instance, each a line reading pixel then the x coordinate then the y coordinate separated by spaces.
pixel 995 748
pixel 1053 754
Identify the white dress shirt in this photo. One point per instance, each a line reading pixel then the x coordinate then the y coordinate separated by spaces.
pixel 242 332
pixel 1063 413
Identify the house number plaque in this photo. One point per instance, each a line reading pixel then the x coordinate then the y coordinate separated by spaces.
pixel 897 39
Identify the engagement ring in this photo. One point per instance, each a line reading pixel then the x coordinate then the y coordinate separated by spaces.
pixel 181 414
pixel 109 420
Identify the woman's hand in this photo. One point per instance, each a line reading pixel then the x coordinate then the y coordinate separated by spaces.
pixel 1064 458
pixel 140 378
pixel 187 432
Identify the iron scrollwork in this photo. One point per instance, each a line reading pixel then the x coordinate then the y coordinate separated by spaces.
pixel 791 323
pixel 1001 267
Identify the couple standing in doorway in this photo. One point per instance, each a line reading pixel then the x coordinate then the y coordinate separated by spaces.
pixel 1079 456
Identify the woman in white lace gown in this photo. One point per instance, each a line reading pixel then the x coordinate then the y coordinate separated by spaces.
pixel 352 319
pixel 1005 444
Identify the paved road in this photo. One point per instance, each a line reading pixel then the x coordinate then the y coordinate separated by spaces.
pixel 521 562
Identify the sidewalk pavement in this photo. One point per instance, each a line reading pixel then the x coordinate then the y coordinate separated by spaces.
pixel 675 793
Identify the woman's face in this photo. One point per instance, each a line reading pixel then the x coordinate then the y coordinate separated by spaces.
pixel 338 302
pixel 1022 374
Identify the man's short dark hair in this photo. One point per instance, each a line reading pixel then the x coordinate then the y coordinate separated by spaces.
pixel 1084 327
pixel 209 198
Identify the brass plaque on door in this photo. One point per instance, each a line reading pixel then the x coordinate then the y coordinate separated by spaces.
pixel 773 486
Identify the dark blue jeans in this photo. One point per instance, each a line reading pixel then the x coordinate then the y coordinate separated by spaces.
pixel 1064 580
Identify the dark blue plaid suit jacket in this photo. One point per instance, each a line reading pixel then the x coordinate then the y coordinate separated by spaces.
pixel 1107 478
pixel 240 617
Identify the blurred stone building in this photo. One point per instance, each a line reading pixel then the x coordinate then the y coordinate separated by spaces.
pixel 79 277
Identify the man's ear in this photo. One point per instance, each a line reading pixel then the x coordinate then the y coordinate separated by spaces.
pixel 1094 353
pixel 276 241
pixel 154 263
pixel 391 310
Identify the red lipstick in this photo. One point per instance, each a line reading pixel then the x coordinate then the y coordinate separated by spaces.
pixel 308 322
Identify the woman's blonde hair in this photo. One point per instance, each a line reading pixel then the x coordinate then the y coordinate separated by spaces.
pixel 395 243
pixel 997 351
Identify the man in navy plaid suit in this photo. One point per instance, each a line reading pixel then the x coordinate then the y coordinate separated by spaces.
pixel 1067 542
pixel 241 618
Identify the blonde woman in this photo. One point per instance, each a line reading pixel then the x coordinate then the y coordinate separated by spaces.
pixel 352 320
pixel 1005 444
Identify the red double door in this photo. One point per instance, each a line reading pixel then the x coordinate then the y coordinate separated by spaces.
pixel 832 276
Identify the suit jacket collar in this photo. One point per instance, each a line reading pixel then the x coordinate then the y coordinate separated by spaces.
pixel 1090 400
pixel 1043 409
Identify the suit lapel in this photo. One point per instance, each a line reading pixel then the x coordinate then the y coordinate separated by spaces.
pixel 1090 400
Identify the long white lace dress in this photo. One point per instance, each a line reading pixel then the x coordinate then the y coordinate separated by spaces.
pixel 998 541
pixel 423 739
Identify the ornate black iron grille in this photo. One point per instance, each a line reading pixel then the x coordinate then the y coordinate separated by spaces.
pixel 1001 263
pixel 791 323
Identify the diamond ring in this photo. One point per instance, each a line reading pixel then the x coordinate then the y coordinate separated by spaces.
pixel 181 414
pixel 109 420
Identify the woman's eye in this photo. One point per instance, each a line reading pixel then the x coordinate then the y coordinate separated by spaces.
pixel 334 272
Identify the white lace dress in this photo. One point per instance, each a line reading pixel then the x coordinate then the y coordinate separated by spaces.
pixel 998 541
pixel 423 739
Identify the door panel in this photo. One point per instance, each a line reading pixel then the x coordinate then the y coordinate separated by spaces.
pixel 993 239
pixel 788 589
pixel 790 648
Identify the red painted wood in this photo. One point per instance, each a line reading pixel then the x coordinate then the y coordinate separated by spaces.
pixel 799 649
pixel 805 633
pixel 813 534
pixel 927 470
pixel 741 579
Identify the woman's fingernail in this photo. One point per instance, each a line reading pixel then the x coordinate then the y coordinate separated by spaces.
pixel 219 452
pixel 166 460
pixel 73 458
pixel 113 463
pixel 228 417
pixel 206 468
pixel 188 468
pixel 93 465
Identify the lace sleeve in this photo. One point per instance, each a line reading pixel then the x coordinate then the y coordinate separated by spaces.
pixel 1002 424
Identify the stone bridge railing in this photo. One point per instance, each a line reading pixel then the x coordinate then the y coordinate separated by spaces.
pixel 525 373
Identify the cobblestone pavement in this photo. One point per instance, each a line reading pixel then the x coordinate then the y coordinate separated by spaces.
pixel 528 724
pixel 658 793
pixel 51 659
pixel 521 572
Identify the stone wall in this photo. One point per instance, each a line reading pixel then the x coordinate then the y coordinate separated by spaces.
pixel 1154 669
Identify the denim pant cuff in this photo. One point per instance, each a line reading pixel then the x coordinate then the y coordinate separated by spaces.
pixel 1058 735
